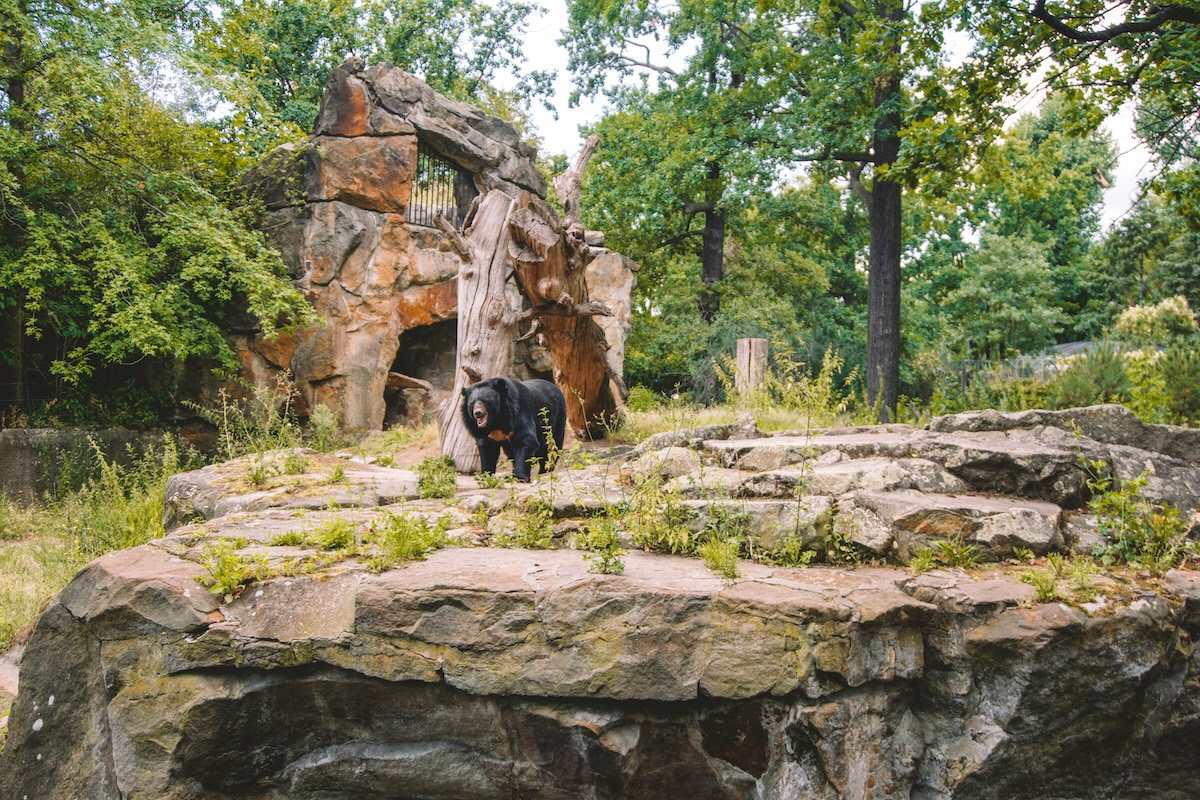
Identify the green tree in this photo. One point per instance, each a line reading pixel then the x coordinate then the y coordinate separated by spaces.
pixel 119 256
pixel 1149 255
pixel 1133 50
pixel 1045 181
pixel 270 58
pixel 866 86
pixel 1005 304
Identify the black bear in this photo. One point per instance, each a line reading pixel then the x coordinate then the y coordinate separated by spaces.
pixel 517 417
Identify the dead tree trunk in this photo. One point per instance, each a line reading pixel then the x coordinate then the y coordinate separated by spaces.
pixel 486 319
pixel 549 258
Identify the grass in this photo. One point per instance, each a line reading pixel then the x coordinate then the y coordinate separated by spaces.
pixel 42 547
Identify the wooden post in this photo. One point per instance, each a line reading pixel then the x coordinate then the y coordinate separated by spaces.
pixel 751 364
pixel 486 321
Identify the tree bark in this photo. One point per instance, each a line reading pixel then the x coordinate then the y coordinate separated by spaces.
pixel 883 280
pixel 548 259
pixel 486 320
pixel 549 264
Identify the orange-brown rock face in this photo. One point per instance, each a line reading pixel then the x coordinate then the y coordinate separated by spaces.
pixel 337 208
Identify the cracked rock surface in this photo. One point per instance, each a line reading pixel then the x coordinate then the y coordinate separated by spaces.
pixel 483 672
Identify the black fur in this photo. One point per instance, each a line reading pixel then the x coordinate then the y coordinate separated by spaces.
pixel 514 410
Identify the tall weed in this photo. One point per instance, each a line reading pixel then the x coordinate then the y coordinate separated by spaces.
pixel 41 548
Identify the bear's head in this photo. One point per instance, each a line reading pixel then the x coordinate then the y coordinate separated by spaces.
pixel 485 407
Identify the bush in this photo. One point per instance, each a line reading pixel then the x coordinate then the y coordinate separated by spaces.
pixel 436 478
pixel 405 537
pixel 1095 377
pixel 1180 369
pixel 1138 532
pixel 1160 324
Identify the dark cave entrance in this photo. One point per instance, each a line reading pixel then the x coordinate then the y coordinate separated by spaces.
pixel 422 375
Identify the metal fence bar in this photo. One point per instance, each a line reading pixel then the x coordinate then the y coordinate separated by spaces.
pixel 438 186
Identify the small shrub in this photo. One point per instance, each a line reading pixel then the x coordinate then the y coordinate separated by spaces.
pixel 123 506
pixel 644 399
pixel 923 560
pixel 721 556
pixel 323 432
pixel 1082 587
pixel 1162 323
pixel 295 463
pixel 657 519
pixel 1180 368
pixel 436 478
pixel 288 539
pixel 1149 397
pixel 1044 583
pixel 1095 377
pixel 398 538
pixel 603 543
pixel 336 534
pixel 490 480
pixel 840 549
pixel 1022 554
pixel 957 552
pixel 1138 532
pixel 791 552
pixel 229 572
pixel 260 468
pixel 256 424
pixel 534 529
pixel 337 475
pixel 724 523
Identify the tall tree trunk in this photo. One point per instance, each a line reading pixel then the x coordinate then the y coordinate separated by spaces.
pixel 548 259
pixel 19 116
pixel 486 320
pixel 712 261
pixel 883 282
pixel 712 242
pixel 549 264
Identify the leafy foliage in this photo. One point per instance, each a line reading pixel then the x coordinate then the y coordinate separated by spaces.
pixel 230 571
pixel 436 477
pixel 602 541
pixel 1138 532
pixel 404 537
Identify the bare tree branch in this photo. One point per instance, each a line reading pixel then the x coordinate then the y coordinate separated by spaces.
pixel 1163 15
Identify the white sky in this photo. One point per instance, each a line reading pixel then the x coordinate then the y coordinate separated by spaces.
pixel 562 135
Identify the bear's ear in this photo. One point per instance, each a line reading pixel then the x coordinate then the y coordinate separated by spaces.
pixel 465 390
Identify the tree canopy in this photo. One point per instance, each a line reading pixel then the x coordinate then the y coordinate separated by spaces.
pixel 124 129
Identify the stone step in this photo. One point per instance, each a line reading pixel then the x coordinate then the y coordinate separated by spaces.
pixel 897 524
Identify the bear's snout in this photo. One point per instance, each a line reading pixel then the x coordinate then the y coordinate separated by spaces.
pixel 479 412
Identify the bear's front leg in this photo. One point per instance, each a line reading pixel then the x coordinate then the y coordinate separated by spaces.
pixel 489 455
pixel 523 454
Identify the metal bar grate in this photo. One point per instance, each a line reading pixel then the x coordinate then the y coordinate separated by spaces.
pixel 438 186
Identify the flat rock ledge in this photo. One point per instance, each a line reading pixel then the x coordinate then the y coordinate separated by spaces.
pixel 484 672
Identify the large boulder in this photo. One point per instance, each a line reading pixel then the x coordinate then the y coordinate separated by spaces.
pixel 485 673
pixel 488 672
pixel 339 210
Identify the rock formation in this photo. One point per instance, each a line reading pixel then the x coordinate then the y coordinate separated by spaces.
pixel 352 210
pixel 483 672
